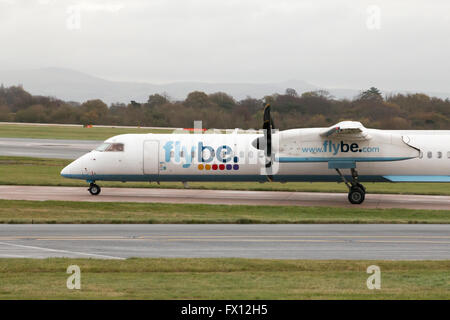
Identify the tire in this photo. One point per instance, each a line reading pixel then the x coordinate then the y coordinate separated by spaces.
pixel 359 185
pixel 356 195
pixel 94 189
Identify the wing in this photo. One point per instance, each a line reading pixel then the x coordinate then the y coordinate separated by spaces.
pixel 347 129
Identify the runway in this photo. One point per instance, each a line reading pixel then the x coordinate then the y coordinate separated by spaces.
pixel 386 242
pixel 46 148
pixel 275 198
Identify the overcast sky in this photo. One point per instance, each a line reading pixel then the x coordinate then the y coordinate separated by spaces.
pixel 401 44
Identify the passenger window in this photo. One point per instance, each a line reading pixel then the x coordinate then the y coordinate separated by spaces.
pixel 430 154
pixel 448 154
pixel 420 155
pixel 250 154
pixel 439 155
pixel 181 154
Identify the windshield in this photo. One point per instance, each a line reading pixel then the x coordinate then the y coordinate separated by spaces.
pixel 110 147
pixel 103 147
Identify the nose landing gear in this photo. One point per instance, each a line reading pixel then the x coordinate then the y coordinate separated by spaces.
pixel 94 189
pixel 356 191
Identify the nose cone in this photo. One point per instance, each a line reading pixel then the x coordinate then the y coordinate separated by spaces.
pixel 63 172
pixel 72 170
pixel 66 171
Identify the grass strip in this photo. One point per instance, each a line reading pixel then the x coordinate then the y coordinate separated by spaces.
pixel 222 278
pixel 21 211
pixel 69 132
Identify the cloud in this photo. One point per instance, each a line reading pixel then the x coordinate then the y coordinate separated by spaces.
pixel 100 7
pixel 322 41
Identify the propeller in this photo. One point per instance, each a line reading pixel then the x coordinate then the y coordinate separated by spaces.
pixel 268 126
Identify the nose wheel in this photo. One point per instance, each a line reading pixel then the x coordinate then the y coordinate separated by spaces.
pixel 94 189
pixel 356 191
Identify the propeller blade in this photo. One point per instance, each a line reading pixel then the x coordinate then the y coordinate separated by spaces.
pixel 267 126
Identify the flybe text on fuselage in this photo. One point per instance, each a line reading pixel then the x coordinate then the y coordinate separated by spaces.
pixel 204 153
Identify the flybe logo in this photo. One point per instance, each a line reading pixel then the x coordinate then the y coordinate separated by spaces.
pixel 205 155
pixel 334 148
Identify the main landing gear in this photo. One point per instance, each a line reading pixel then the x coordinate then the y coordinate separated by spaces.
pixel 94 189
pixel 356 191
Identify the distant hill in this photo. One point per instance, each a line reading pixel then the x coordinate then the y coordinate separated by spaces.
pixel 71 85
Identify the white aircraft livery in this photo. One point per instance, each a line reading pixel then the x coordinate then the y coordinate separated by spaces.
pixel 346 152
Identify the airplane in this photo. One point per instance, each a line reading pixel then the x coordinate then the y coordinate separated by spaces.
pixel 346 152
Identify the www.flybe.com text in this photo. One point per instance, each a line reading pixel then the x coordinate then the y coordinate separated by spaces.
pixel 329 146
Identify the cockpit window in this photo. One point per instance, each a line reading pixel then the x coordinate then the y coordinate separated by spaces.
pixel 103 147
pixel 115 147
pixel 110 147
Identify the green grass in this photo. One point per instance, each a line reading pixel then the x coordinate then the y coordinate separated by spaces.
pixel 222 279
pixel 46 172
pixel 18 211
pixel 68 132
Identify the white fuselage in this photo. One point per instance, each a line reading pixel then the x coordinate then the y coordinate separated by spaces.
pixel 298 155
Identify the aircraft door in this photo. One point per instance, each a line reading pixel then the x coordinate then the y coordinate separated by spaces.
pixel 151 157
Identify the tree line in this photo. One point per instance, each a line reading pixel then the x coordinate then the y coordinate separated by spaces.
pixel 220 110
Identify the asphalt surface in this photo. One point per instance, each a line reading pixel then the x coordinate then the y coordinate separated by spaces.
pixel 46 148
pixel 387 242
pixel 150 195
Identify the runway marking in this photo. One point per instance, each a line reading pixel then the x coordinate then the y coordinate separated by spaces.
pixel 300 236
pixel 241 239
pixel 59 250
pixel 396 239
pixel 249 240
pixel 404 241
pixel 303 240
pixel 304 249
pixel 37 237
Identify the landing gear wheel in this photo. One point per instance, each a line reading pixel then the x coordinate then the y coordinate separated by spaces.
pixel 357 192
pixel 94 189
pixel 359 185
pixel 356 195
